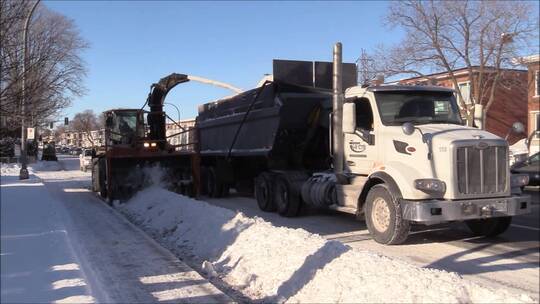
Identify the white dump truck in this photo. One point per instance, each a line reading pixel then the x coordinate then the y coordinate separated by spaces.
pixel 409 159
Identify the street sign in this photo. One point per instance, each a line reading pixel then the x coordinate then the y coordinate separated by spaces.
pixel 30 133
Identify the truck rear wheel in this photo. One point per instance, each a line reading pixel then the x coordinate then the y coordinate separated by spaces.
pixel 213 186
pixel 287 202
pixel 264 193
pixel 384 217
pixel 490 226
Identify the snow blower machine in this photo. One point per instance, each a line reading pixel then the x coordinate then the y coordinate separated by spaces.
pixel 136 152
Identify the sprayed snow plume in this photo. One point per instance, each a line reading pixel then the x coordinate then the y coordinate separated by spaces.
pixel 276 264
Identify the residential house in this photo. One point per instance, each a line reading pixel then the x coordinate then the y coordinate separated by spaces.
pixel 509 106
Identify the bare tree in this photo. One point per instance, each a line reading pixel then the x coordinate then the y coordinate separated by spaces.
pixel 55 69
pixel 481 36
pixel 85 122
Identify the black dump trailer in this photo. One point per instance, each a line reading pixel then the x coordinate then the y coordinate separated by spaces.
pixel 269 140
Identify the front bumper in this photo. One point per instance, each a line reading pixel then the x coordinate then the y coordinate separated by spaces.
pixel 438 211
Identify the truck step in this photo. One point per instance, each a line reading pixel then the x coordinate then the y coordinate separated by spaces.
pixel 344 209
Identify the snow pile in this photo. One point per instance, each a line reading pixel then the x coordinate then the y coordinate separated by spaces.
pixel 13 169
pixel 10 169
pixel 519 147
pixel 274 264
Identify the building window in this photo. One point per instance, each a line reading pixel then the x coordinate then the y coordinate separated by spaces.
pixel 537 83
pixel 465 89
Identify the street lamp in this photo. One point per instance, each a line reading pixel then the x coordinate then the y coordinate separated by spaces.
pixel 23 174
pixel 177 109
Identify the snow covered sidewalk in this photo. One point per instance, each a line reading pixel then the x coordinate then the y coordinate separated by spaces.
pixel 61 243
pixel 274 264
pixel 37 261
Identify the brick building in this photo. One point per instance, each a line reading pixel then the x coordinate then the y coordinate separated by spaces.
pixel 509 106
pixel 533 96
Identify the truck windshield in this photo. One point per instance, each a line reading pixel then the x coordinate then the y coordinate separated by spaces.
pixel 417 108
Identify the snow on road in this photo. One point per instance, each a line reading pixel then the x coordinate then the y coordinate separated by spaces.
pixel 60 243
pixel 270 264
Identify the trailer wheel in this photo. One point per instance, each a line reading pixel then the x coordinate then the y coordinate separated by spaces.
pixel 264 193
pixel 287 202
pixel 213 186
pixel 101 178
pixel 384 217
pixel 489 227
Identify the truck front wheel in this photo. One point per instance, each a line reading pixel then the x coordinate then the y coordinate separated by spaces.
pixel 384 217
pixel 490 226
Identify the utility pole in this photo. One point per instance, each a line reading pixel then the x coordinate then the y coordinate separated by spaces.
pixel 23 174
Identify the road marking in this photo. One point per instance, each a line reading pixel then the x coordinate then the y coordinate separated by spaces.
pixel 525 227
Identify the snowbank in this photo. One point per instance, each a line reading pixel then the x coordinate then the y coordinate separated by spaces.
pixel 270 264
pixel 13 169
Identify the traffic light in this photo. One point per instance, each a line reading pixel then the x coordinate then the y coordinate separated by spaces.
pixel 51 125
pixel 66 121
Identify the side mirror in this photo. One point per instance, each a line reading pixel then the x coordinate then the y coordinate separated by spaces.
pixel 349 117
pixel 408 128
pixel 518 127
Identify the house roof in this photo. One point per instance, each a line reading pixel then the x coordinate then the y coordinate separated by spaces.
pixel 529 59
pixel 458 72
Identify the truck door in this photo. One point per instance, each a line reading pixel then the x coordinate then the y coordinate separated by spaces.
pixel 360 149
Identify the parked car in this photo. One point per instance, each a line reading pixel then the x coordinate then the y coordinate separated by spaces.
pixel 85 159
pixel 76 151
pixel 530 166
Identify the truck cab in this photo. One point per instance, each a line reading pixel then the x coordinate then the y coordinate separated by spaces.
pixel 410 159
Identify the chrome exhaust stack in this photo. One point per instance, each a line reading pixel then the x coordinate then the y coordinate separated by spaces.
pixel 337 109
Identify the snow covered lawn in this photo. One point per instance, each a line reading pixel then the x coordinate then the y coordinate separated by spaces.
pixel 37 258
pixel 269 264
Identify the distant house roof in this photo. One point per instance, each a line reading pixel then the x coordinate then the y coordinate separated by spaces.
pixel 456 72
pixel 528 59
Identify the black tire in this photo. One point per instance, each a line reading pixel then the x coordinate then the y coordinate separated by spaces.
pixel 225 190
pixel 287 201
pixel 102 174
pixel 264 192
pixel 396 230
pixel 489 227
pixel 213 185
pixel 203 182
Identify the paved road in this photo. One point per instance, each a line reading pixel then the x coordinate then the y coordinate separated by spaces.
pixel 511 260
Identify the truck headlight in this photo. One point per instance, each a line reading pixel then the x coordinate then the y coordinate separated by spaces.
pixel 430 185
pixel 519 180
pixel 146 145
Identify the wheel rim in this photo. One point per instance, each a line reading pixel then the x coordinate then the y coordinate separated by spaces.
pixel 380 215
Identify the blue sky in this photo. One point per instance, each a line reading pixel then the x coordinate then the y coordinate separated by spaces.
pixel 135 43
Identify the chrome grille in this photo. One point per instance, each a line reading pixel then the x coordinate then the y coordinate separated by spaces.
pixel 481 170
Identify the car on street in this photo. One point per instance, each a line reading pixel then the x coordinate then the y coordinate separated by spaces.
pixel 76 151
pixel 531 167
